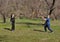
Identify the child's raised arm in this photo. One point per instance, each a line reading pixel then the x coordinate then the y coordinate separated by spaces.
pixel 43 18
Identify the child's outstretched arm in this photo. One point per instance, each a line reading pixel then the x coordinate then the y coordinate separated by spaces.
pixel 43 18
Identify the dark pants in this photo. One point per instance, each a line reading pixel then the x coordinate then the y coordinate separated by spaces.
pixel 47 26
pixel 13 25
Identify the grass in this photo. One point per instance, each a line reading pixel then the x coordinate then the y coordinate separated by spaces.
pixel 29 31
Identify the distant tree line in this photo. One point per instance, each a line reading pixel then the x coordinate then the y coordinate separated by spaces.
pixel 29 8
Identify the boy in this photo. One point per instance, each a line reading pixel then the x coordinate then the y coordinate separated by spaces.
pixel 47 24
pixel 13 21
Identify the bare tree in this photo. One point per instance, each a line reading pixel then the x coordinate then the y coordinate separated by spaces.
pixel 2 10
pixel 51 8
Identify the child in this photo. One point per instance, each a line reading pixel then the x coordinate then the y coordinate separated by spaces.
pixel 47 24
pixel 13 21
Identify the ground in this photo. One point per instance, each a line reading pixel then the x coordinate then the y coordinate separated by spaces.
pixel 29 31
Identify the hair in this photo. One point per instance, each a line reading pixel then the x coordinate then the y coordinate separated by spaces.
pixel 12 15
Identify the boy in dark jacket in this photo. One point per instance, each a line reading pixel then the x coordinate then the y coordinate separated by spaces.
pixel 13 21
pixel 47 24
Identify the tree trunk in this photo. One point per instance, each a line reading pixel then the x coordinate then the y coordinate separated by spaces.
pixel 4 18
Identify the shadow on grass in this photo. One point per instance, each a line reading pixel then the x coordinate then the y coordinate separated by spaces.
pixel 1 40
pixel 28 23
pixel 7 29
pixel 1 22
pixel 38 30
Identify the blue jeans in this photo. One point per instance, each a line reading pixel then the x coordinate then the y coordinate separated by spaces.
pixel 47 26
